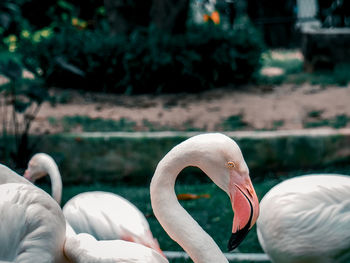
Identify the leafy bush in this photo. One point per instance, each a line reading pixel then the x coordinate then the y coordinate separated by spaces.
pixel 147 60
pixel 341 73
pixel 20 102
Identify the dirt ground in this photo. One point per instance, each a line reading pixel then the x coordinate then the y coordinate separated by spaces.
pixel 260 108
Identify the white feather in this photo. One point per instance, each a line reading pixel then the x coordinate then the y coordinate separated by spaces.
pixel 307 219
pixel 104 215
pixel 33 229
pixel 32 225
pixel 107 216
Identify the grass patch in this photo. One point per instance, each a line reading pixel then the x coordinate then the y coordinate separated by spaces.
pixel 341 73
pixel 292 66
pixel 186 126
pixel 339 121
pixel 277 124
pixel 315 114
pixel 283 59
pixel 234 122
pixel 88 124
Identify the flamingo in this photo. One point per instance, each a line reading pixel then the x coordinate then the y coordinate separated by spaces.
pixel 10 176
pixel 307 219
pixel 106 216
pixel 220 158
pixel 32 229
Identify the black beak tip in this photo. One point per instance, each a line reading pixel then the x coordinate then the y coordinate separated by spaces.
pixel 237 238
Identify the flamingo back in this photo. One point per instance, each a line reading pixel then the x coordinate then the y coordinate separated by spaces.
pixel 108 216
pixel 32 227
pixel 84 248
pixel 306 219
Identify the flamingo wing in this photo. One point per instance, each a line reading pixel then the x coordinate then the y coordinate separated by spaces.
pixel 32 226
pixel 107 216
pixel 306 218
pixel 84 248
pixel 9 176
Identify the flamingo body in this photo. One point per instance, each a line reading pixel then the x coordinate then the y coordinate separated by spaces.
pixel 84 248
pixel 9 176
pixel 307 219
pixel 104 215
pixel 220 158
pixel 108 216
pixel 33 229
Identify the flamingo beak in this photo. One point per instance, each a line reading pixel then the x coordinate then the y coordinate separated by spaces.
pixel 27 175
pixel 245 205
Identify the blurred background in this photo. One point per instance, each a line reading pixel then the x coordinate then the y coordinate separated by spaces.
pixel 99 85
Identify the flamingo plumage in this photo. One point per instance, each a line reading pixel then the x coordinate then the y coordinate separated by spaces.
pixel 33 229
pixel 104 215
pixel 307 219
pixel 221 159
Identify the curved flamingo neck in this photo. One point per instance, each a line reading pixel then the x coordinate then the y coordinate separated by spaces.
pixel 56 180
pixel 175 220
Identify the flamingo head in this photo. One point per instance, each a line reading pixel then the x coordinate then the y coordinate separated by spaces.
pixel 225 165
pixel 36 167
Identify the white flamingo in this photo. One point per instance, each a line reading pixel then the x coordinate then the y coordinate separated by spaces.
pixel 220 158
pixel 9 176
pixel 307 219
pixel 106 216
pixel 32 229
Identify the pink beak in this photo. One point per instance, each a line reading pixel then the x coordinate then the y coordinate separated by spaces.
pixel 27 175
pixel 245 205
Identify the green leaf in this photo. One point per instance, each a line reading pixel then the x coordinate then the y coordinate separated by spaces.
pixel 65 5
pixel 11 69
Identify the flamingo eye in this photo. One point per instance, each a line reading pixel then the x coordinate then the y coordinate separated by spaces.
pixel 231 165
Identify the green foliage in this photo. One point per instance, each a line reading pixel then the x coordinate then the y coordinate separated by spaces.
pixel 272 80
pixel 277 124
pixel 147 60
pixel 341 73
pixel 289 65
pixel 88 124
pixel 286 61
pixel 338 76
pixel 315 113
pixel 155 126
pixel 234 122
pixel 293 71
pixel 19 105
pixel 10 17
pixel 339 121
